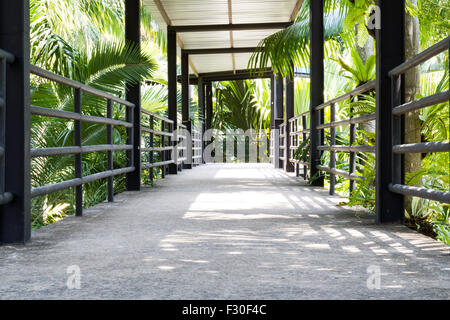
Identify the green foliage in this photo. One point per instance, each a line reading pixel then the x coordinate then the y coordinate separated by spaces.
pixel 242 105
pixel 292 43
pixel 83 51
pixel 357 71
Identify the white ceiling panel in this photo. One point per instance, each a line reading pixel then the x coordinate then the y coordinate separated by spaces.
pixel 209 12
pixel 255 11
pixel 206 40
pixel 213 62
pixel 251 38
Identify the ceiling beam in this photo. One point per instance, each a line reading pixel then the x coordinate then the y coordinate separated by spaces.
pixel 221 50
pixel 297 8
pixel 230 21
pixel 231 27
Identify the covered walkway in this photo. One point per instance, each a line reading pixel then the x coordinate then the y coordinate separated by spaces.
pixel 228 231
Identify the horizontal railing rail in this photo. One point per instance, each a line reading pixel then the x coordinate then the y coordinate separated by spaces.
pixel 421 57
pixel 399 111
pixel 78 149
pixel 77 85
pixel 5 58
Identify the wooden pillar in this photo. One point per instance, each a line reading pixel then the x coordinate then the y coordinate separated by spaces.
pixel 317 84
pixel 15 217
pixel 390 53
pixel 133 94
pixel 172 91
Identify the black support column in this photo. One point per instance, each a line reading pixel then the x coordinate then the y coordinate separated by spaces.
pixel 201 109
pixel 279 101
pixel 272 102
pixel 289 113
pixel 317 83
pixel 278 115
pixel 390 53
pixel 15 218
pixel 209 105
pixel 172 89
pixel 133 93
pixel 185 110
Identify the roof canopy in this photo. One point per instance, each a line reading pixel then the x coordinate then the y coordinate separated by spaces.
pixel 215 24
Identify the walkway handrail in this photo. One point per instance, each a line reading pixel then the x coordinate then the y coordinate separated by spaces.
pixel 181 149
pixel 163 136
pixel 77 85
pixel 361 89
pixel 299 133
pixel 197 143
pixel 5 58
pixel 421 57
pixel 399 110
pixel 78 149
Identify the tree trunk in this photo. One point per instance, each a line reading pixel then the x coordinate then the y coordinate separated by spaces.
pixel 413 162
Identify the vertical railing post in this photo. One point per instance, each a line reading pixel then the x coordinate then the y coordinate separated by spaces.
pixel 304 136
pixel 398 130
pixel 109 138
pixel 163 153
pixel 133 93
pixel 78 157
pixel 2 123
pixel 151 153
pixel 352 163
pixel 15 217
pixel 317 85
pixel 332 152
pixel 390 38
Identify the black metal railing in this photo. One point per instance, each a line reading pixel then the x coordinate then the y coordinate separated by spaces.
pixel 352 149
pixel 182 145
pixel 399 148
pixel 298 135
pixel 78 149
pixel 300 131
pixel 159 147
pixel 197 146
pixel 5 58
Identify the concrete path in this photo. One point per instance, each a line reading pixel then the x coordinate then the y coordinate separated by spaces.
pixel 226 232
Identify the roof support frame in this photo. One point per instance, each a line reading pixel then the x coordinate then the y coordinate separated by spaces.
pixel 221 50
pixel 231 27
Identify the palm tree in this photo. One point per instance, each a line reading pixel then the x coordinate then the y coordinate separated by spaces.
pixel 90 50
